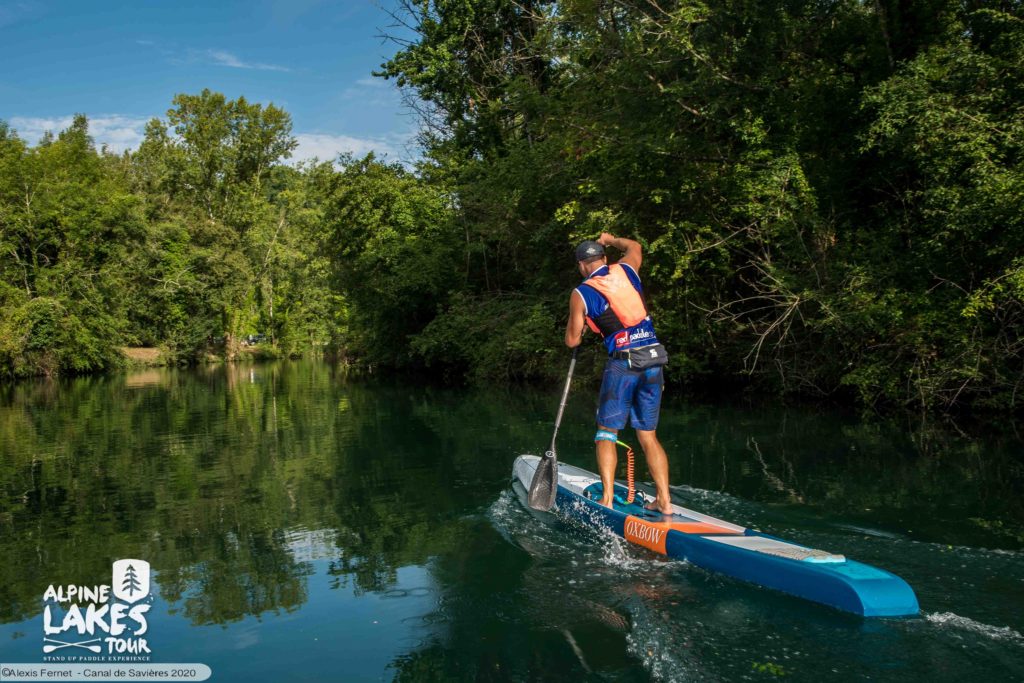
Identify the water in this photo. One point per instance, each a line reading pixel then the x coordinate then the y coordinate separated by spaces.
pixel 304 526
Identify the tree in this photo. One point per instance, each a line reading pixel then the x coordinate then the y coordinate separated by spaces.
pixel 67 223
pixel 212 254
pixel 391 246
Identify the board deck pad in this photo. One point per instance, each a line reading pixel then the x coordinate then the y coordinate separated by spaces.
pixel 648 528
pixel 771 546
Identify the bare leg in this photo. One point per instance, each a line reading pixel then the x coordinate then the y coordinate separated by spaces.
pixel 607 459
pixel 657 463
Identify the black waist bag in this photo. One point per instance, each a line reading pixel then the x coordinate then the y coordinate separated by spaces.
pixel 647 357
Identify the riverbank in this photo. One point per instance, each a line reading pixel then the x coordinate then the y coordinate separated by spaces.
pixel 727 390
pixel 137 357
pixel 143 356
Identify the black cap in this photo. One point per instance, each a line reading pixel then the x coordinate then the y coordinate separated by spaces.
pixel 588 249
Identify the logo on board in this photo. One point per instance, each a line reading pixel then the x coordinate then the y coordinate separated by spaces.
pixel 647 534
pixel 104 623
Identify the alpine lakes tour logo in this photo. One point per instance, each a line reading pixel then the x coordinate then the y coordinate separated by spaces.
pixel 99 623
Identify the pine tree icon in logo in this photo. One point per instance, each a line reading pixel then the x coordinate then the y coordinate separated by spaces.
pixel 131 581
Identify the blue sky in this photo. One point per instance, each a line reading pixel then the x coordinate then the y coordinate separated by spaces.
pixel 122 62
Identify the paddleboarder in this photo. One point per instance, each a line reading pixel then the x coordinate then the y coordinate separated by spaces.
pixel 610 302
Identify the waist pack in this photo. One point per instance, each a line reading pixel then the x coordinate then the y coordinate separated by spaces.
pixel 645 357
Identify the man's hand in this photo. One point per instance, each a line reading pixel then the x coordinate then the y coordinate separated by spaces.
pixel 631 251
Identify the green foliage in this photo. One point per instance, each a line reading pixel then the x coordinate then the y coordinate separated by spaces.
pixel 828 194
pixel 494 338
pixel 221 148
pixel 194 241
pixel 770 668
pixel 225 235
pixel 67 224
pixel 390 241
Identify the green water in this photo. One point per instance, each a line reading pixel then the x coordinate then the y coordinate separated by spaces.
pixel 302 526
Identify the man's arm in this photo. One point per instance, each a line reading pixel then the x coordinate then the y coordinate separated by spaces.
pixel 575 327
pixel 632 253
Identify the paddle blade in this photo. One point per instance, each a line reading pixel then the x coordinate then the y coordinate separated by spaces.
pixel 545 483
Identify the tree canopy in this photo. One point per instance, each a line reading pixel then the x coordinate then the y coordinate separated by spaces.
pixel 830 197
pixel 829 194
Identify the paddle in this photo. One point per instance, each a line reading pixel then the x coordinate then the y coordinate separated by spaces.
pixel 85 644
pixel 545 479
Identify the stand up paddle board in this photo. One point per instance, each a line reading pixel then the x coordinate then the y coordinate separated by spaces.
pixel 730 549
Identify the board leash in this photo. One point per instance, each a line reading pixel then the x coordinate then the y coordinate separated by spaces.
pixel 630 480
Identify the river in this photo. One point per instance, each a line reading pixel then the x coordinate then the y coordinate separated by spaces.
pixel 302 525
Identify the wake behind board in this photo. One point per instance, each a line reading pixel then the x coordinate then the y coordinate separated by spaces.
pixel 730 549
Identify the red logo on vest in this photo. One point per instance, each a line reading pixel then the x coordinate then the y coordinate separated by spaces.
pixel 622 338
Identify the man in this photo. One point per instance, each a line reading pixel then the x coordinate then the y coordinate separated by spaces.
pixel 610 302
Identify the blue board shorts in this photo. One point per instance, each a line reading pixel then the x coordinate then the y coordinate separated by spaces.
pixel 635 394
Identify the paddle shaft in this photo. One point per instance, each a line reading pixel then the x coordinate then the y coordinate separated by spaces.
pixel 565 396
pixel 544 486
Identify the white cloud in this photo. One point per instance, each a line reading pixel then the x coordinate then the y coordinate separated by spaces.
pixel 118 133
pixel 225 58
pixel 326 147
pixel 178 55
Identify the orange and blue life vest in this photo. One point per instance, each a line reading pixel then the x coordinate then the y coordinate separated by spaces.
pixel 615 309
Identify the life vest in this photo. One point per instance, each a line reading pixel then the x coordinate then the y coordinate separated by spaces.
pixel 615 308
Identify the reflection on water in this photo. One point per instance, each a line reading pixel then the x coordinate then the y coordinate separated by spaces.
pixel 299 523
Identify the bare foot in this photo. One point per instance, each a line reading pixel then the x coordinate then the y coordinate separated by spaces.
pixel 606 501
pixel 657 505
